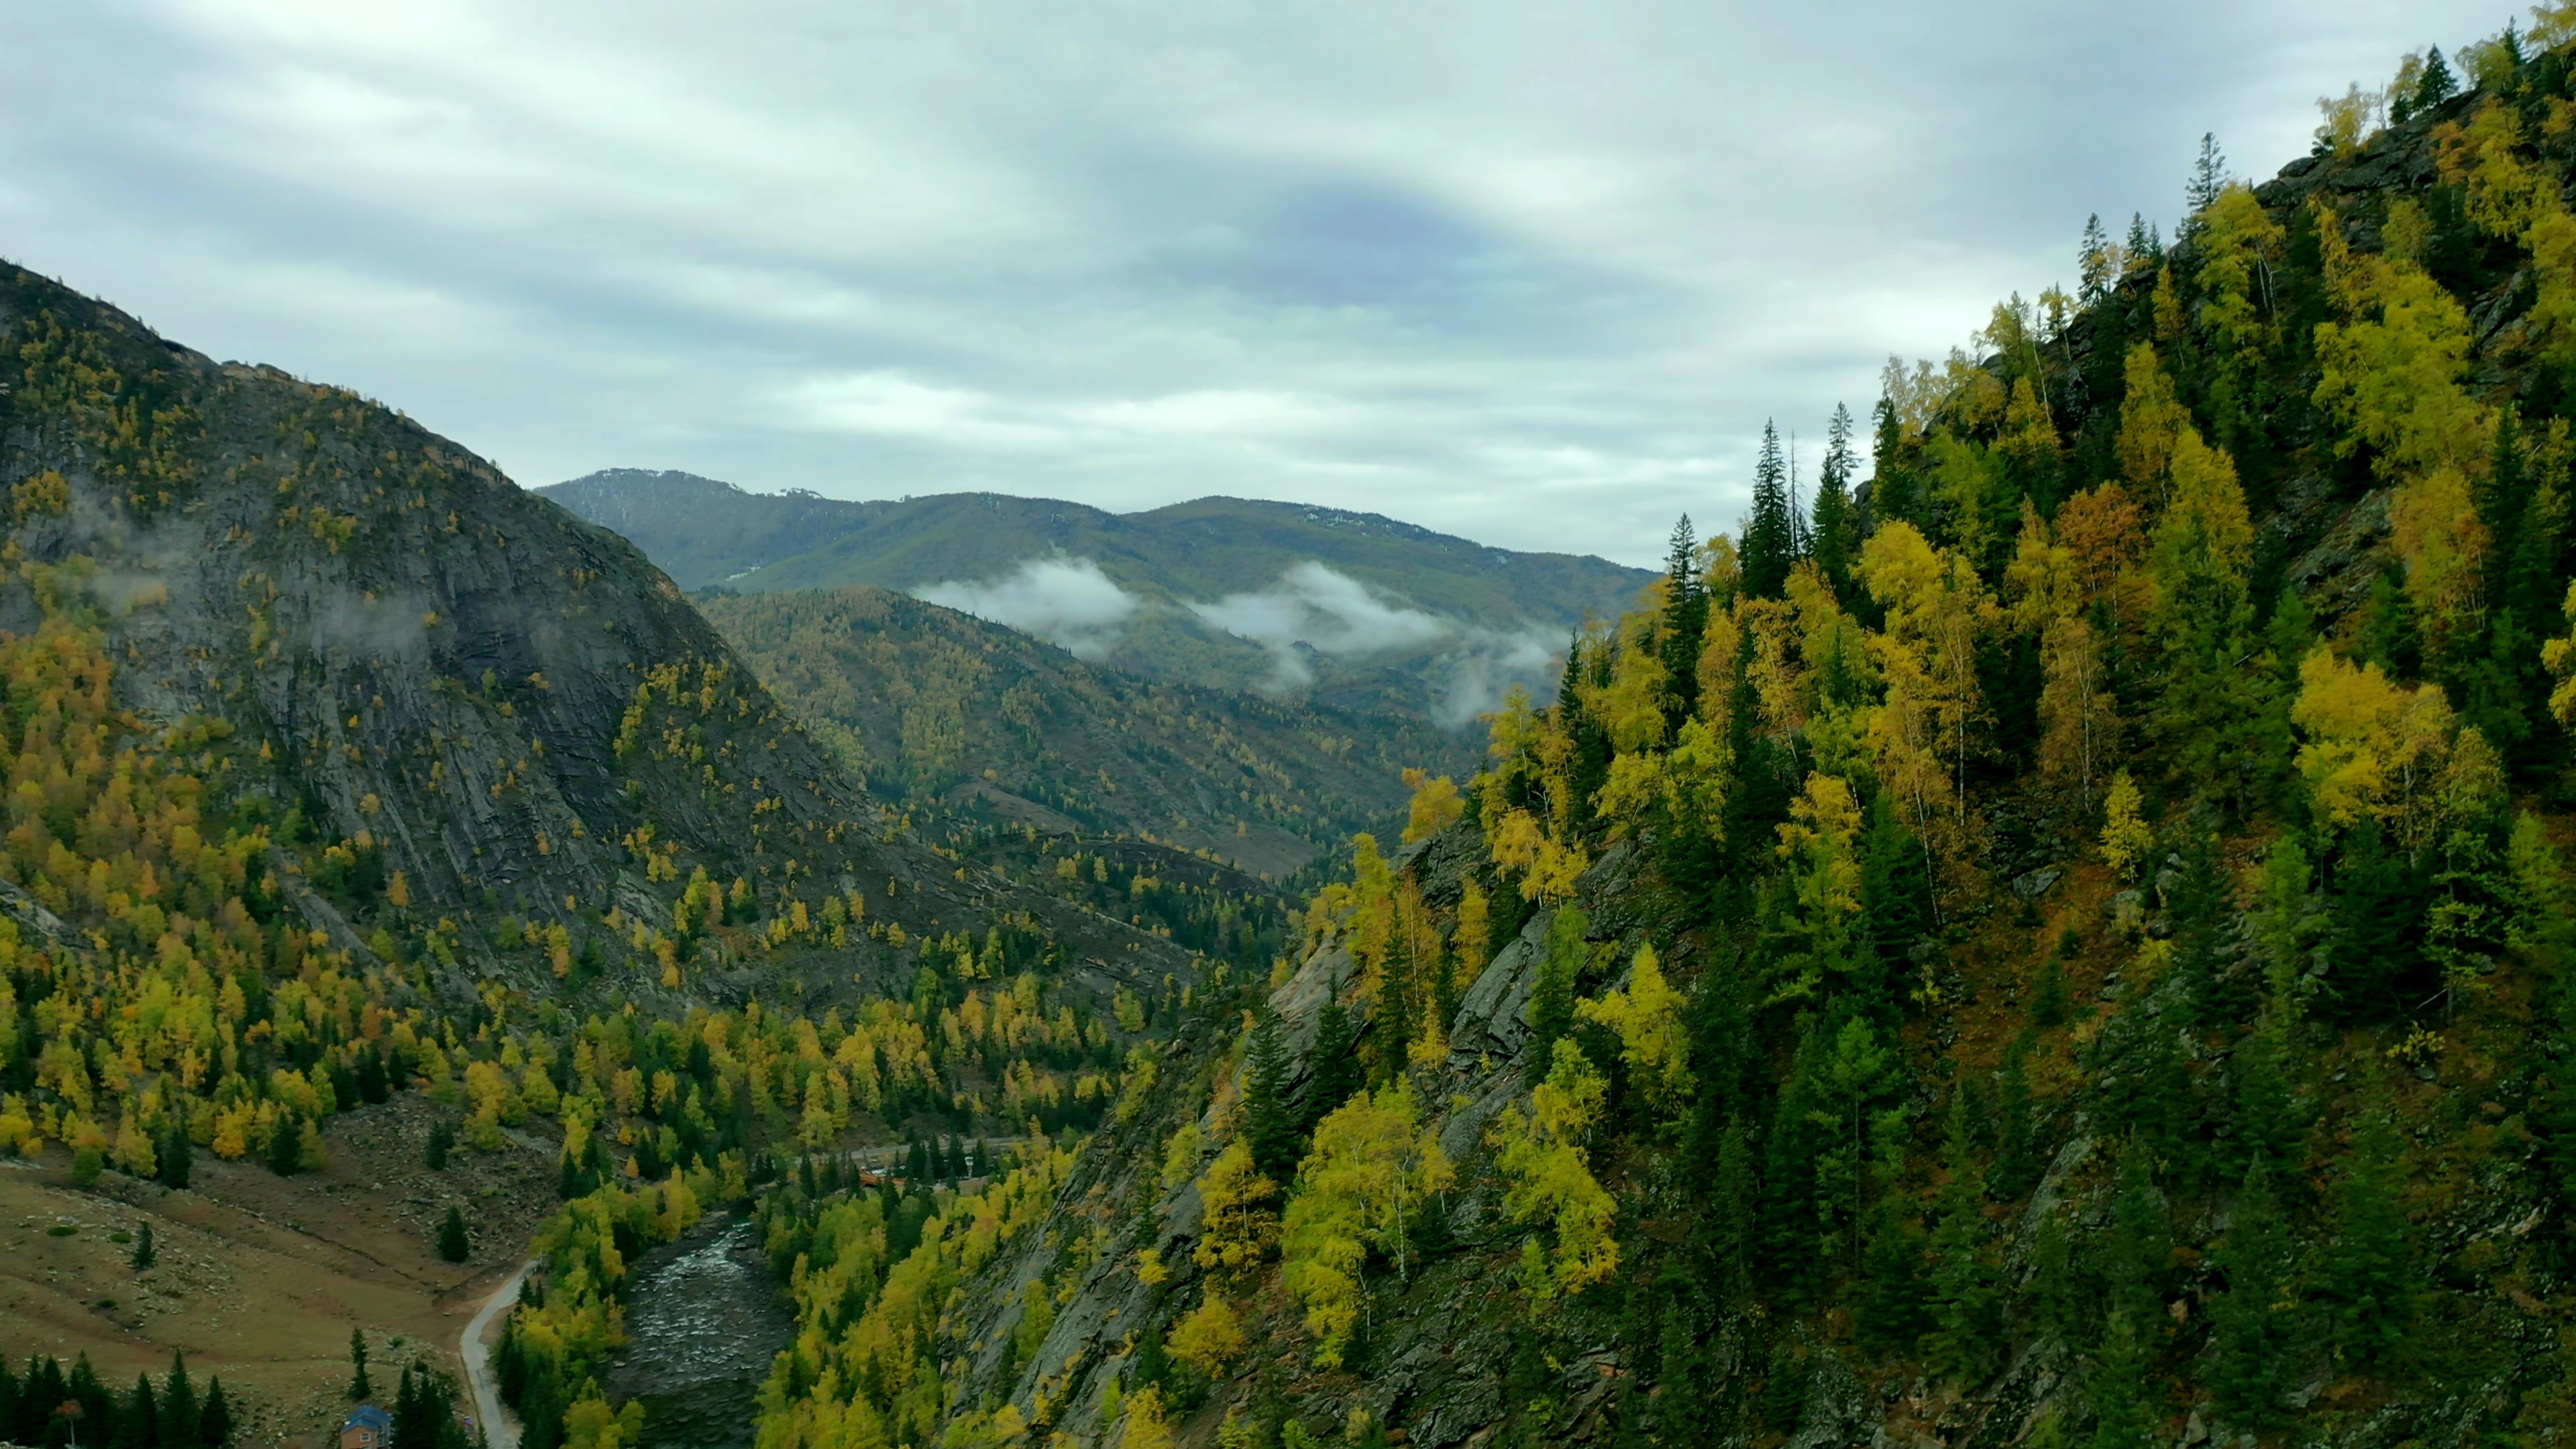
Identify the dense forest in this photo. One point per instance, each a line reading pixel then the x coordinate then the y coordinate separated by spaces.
pixel 2060 940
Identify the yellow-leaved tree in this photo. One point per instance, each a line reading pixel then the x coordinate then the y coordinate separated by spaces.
pixel 1551 1180
pixel 1653 1040
pixel 1369 1170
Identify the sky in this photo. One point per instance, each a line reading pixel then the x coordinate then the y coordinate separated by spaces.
pixel 1533 273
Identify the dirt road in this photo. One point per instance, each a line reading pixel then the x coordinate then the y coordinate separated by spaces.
pixel 500 1431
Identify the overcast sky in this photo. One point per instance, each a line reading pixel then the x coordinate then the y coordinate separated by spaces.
pixel 1532 273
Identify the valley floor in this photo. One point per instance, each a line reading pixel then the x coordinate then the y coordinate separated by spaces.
pixel 259 1278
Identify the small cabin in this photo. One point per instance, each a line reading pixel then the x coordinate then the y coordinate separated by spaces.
pixel 367 1427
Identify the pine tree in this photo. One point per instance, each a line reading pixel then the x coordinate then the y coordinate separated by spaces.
pixel 1770 537
pixel 2255 1333
pixel 359 1388
pixel 452 1244
pixel 143 1255
pixel 2117 1388
pixel 1269 1121
pixel 442 1138
pixel 1836 537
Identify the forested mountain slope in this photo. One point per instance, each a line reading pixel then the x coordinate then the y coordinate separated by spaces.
pixel 2069 947
pixel 1350 609
pixel 934 704
pixel 341 769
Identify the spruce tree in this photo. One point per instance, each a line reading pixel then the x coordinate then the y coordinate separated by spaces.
pixel 1269 1121
pixel 1552 995
pixel 2093 263
pixel 1836 537
pixel 2437 84
pixel 2208 175
pixel 442 1138
pixel 2366 1273
pixel 143 1256
pixel 179 1427
pixel 1337 1071
pixel 1685 623
pixel 138 1419
pixel 174 1155
pixel 2117 1389
pixel 2254 1326
pixel 452 1244
pixel 1966 1295
pixel 1770 537
pixel 215 1420
pixel 359 1388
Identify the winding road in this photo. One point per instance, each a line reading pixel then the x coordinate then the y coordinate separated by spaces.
pixel 499 1430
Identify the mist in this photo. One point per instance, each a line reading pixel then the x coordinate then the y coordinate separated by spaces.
pixel 1068 602
pixel 1328 612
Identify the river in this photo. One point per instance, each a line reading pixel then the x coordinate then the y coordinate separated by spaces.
pixel 704 1318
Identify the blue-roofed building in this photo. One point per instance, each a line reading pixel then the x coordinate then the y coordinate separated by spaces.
pixel 367 1427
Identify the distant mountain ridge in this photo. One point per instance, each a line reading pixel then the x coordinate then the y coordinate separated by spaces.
pixel 1361 610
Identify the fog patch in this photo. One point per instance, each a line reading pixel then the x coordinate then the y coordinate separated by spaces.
pixel 1313 609
pixel 1068 602
pixel 382 627
pixel 1476 675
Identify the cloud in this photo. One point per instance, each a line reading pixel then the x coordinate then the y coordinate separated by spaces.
pixel 1537 281
pixel 1068 602
pixel 1313 607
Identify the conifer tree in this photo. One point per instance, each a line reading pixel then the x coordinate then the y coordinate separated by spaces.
pixel 2255 1331
pixel 1966 1296
pixel 1685 623
pixel 452 1244
pixel 143 1255
pixel 175 1155
pixel 1835 539
pixel 2437 84
pixel 179 1410
pixel 2365 1272
pixel 1770 536
pixel 138 1418
pixel 2093 263
pixel 2208 175
pixel 359 1388
pixel 1336 1072
pixel 1269 1120
pixel 215 1420
pixel 1552 996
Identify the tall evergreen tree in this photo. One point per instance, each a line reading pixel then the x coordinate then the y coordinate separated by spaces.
pixel 215 1420
pixel 138 1419
pixel 179 1427
pixel 1770 538
pixel 1836 537
pixel 2437 84
pixel 452 1243
pixel 2254 1326
pixel 1685 623
pixel 2366 1273
pixel 1552 996
pixel 359 1388
pixel 1966 1296
pixel 2093 263
pixel 1337 1071
pixel 2208 175
pixel 1269 1121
